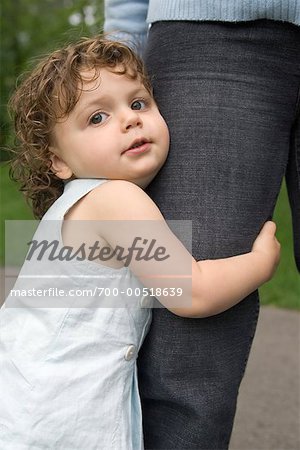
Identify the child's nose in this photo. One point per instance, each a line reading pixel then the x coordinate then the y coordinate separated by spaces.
pixel 131 119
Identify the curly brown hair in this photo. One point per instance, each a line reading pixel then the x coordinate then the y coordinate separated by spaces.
pixel 49 93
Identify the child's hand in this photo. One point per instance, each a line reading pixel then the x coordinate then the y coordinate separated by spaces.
pixel 267 248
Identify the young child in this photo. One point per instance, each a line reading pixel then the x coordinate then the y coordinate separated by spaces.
pixel 90 139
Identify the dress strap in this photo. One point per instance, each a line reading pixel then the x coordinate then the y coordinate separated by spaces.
pixel 74 190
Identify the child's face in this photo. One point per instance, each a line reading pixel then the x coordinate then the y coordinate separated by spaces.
pixel 115 131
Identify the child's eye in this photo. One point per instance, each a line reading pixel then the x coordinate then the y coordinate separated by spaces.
pixel 138 105
pixel 98 118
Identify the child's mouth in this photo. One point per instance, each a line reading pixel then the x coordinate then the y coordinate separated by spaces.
pixel 138 146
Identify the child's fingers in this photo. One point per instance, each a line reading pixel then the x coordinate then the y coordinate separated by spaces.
pixel 268 228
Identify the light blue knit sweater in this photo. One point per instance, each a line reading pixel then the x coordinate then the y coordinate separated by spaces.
pixel 226 10
pixel 129 19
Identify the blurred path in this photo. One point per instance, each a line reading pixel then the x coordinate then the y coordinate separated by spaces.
pixel 268 415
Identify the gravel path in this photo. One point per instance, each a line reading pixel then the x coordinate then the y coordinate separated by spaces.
pixel 268 414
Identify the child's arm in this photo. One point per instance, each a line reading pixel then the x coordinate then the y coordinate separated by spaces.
pixel 124 212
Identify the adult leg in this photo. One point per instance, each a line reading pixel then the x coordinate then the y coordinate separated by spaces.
pixel 229 94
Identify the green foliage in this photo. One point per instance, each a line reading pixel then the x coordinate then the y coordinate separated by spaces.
pixel 30 28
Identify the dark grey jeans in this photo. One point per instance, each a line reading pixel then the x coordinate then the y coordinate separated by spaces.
pixel 230 94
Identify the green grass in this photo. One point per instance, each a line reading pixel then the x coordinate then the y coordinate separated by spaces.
pixel 12 205
pixel 282 291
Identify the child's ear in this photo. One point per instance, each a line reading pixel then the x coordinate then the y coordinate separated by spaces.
pixel 59 167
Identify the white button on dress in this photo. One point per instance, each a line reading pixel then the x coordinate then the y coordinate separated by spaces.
pixel 130 352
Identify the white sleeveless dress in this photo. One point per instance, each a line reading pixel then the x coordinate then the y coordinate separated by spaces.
pixel 68 377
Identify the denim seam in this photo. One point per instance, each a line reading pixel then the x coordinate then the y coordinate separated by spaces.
pixel 297 152
pixel 253 332
pixel 297 105
pixel 296 143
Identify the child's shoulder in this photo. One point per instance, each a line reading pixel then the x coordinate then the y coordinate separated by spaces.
pixel 116 190
pixel 121 200
pixel 119 187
